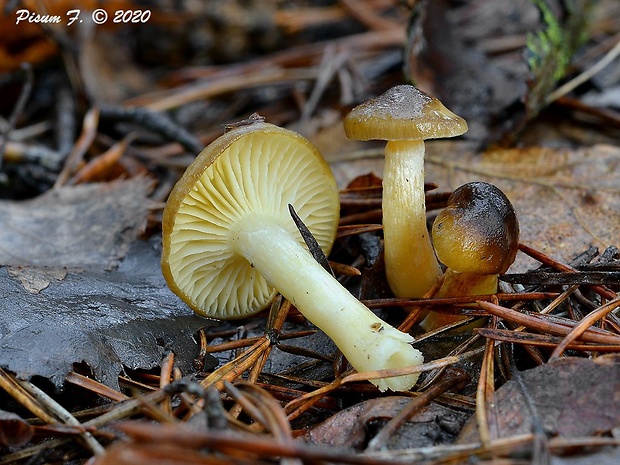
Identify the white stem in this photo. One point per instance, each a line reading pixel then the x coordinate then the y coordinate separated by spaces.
pixel 410 264
pixel 367 342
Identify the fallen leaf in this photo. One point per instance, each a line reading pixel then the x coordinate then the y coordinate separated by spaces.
pixel 36 279
pixel 352 427
pixel 14 431
pixel 111 320
pixel 572 397
pixel 90 225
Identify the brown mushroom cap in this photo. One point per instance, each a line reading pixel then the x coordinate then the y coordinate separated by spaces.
pixel 403 112
pixel 257 169
pixel 478 232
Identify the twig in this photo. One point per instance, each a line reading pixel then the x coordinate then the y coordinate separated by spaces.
pixel 87 137
pixel 19 107
pixel 355 229
pixel 445 301
pixel 90 441
pixel 156 121
pixel 485 396
pixel 100 165
pixel 303 403
pixel 543 278
pixel 453 377
pixel 547 260
pixel 461 348
pixel 536 321
pixel 586 75
pixel 239 365
pixel 583 325
pixel 523 338
pixel 12 387
pixel 95 386
pixel 248 341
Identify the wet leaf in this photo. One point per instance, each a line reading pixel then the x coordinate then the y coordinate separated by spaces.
pixel 77 227
pixel 572 397
pixel 108 319
pixel 14 431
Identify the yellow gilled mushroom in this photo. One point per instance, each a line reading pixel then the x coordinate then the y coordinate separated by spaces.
pixel 477 238
pixel 230 244
pixel 405 116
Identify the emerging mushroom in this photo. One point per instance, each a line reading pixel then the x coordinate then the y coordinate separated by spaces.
pixel 476 236
pixel 230 244
pixel 405 116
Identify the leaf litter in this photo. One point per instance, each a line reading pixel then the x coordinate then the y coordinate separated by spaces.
pixel 94 317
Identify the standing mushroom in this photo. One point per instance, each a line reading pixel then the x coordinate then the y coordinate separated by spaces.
pixel 405 116
pixel 477 237
pixel 230 244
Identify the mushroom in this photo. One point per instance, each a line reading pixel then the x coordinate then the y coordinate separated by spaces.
pixel 230 244
pixel 405 116
pixel 476 237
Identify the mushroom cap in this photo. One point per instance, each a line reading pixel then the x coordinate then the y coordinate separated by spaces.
pixel 255 169
pixel 478 232
pixel 403 112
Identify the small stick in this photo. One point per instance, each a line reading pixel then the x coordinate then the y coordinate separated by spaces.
pixel 303 403
pixel 583 326
pixel 95 386
pixel 24 95
pixel 165 375
pixel 445 301
pixel 64 415
pixel 543 278
pixel 354 229
pixel 586 75
pixel 87 137
pixel 12 387
pixel 101 164
pixel 485 395
pixel 545 324
pixel 506 335
pixel 156 121
pixel 547 260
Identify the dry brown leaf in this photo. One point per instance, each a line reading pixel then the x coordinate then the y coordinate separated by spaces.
pixel 572 397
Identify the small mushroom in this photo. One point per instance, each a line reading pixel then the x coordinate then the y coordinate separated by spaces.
pixel 476 237
pixel 230 244
pixel 405 116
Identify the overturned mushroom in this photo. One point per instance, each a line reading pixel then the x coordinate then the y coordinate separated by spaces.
pixel 405 116
pixel 230 244
pixel 476 236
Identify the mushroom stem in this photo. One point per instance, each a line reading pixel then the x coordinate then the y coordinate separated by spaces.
pixel 410 262
pixel 367 342
pixel 457 284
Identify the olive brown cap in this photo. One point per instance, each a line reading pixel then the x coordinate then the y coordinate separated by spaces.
pixel 403 112
pixel 478 232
